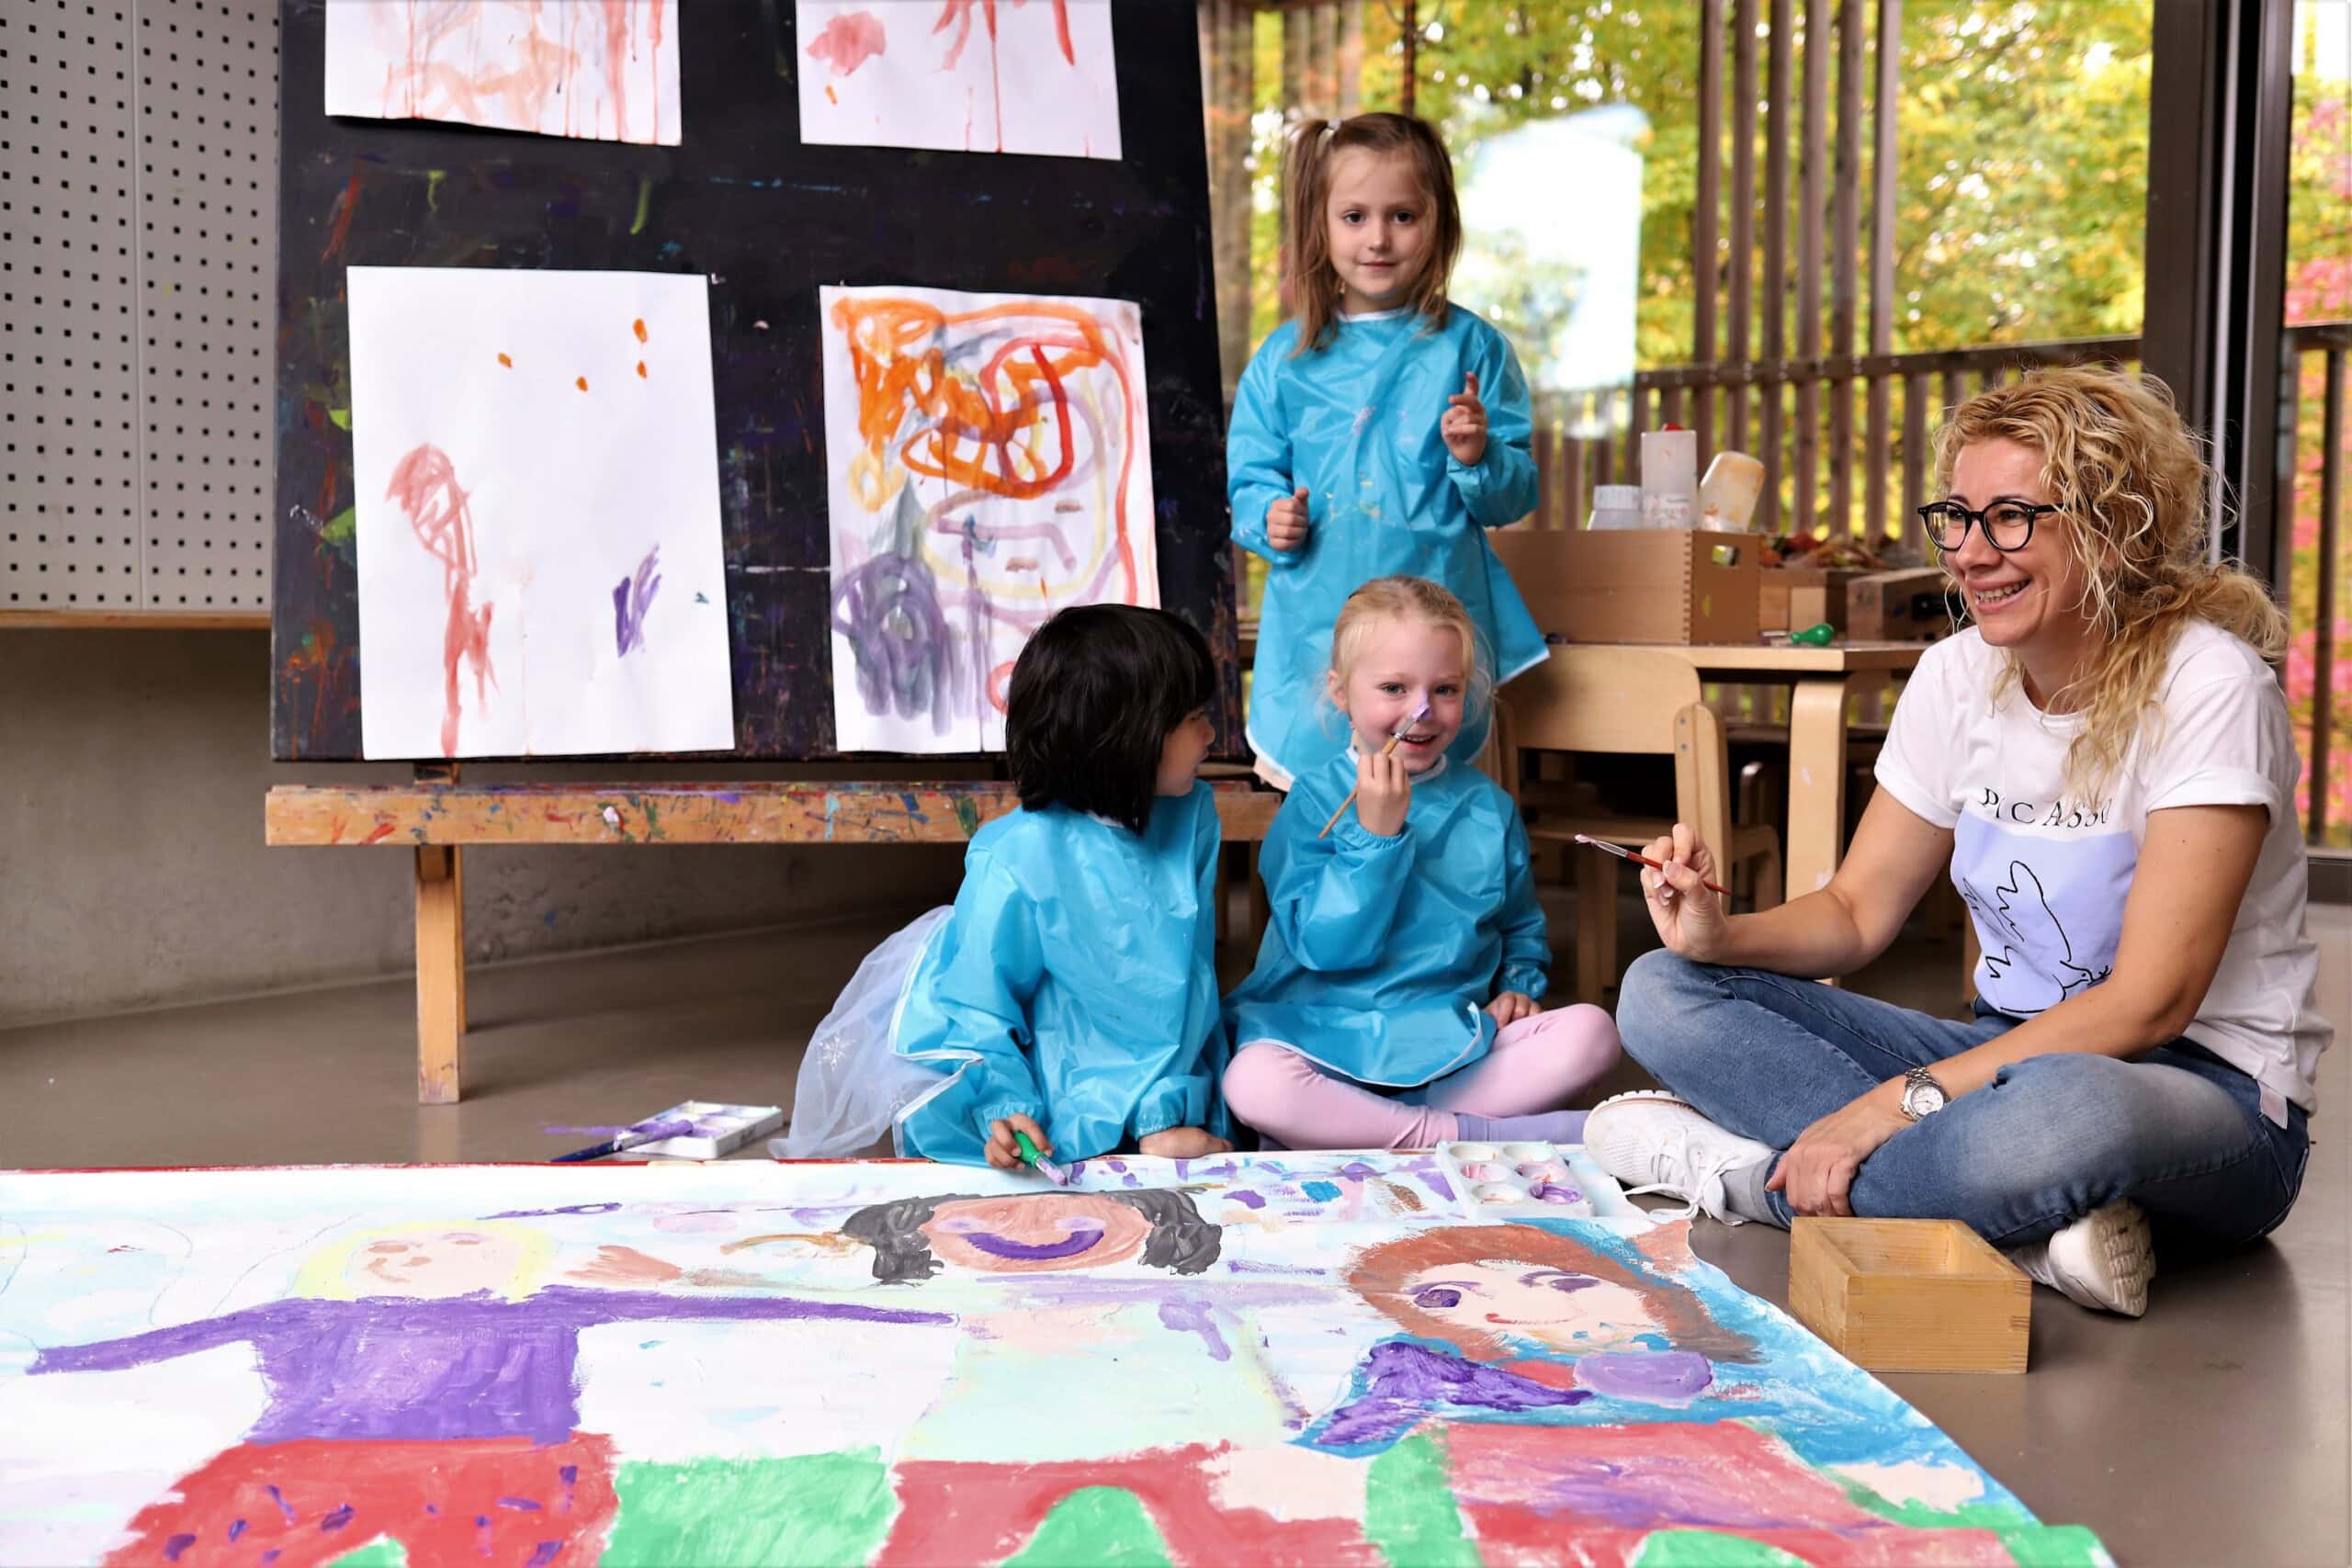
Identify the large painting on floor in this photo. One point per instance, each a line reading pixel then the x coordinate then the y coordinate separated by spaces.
pixel 1279 1359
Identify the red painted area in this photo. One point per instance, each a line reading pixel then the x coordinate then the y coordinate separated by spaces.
pixel 383 831
pixel 424 485
pixel 848 41
pixel 467 1500
pixel 984 1513
pixel 638 327
pixel 347 207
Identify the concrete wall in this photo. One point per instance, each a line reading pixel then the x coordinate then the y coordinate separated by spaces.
pixel 133 874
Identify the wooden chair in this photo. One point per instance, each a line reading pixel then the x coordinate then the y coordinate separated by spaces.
pixel 1627 700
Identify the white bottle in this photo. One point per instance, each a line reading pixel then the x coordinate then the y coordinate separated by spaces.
pixel 1616 506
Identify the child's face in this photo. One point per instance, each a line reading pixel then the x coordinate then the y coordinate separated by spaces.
pixel 1399 665
pixel 1181 753
pixel 1522 1301
pixel 1377 224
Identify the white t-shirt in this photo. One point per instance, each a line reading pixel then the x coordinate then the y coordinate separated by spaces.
pixel 2045 873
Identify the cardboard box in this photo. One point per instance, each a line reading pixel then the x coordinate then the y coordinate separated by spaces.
pixel 1792 598
pixel 1660 586
pixel 1909 1295
pixel 1899 607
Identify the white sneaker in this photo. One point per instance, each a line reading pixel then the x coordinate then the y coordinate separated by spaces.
pixel 1653 1142
pixel 2103 1261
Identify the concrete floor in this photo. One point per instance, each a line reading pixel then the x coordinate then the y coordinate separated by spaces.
pixel 2214 1431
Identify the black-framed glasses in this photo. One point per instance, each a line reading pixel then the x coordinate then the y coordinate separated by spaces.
pixel 2007 525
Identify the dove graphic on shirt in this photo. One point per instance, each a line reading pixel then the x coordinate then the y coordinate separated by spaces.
pixel 2035 969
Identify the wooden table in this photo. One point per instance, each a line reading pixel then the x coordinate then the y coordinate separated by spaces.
pixel 1820 680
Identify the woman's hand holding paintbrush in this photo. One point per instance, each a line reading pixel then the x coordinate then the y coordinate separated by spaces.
pixel 1687 905
pixel 1384 789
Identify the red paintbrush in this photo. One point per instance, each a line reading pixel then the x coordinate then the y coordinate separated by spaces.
pixel 1622 853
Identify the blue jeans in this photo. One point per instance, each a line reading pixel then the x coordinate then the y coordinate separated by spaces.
pixel 2177 1130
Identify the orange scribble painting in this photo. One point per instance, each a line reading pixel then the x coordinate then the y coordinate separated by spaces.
pixel 989 461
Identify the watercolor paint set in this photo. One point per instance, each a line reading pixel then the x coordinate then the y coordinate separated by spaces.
pixel 1533 1178
pixel 712 1132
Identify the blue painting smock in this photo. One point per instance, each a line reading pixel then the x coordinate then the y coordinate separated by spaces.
pixel 1356 424
pixel 1075 983
pixel 1381 953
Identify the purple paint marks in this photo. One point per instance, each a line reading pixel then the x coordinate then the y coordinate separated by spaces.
pixel 275 1495
pixel 236 1528
pixel 1356 1170
pixel 632 596
pixel 569 1474
pixel 335 1520
pixel 544 1554
pixel 585 1132
pixel 1184 1169
pixel 1247 1199
pixel 177 1544
pixel 414 1368
pixel 1403 1382
pixel 1549 1193
pixel 995 1245
pixel 524 1504
pixel 1439 1185
pixel 1187 1315
pixel 272 1555
pixel 1654 1376
pixel 551 1214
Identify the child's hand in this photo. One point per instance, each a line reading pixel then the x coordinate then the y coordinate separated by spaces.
pixel 1384 790
pixel 1182 1143
pixel 1286 522
pixel 1465 424
pixel 1509 1007
pixel 1003 1153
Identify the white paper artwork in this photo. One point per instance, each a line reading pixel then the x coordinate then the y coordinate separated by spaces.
pixel 971 75
pixel 536 460
pixel 987 462
pixel 606 72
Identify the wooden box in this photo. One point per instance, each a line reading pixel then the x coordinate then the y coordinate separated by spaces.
pixel 1657 585
pixel 1909 1295
pixel 1898 606
pixel 1794 598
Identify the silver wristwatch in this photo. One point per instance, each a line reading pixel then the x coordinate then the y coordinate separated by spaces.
pixel 1922 1095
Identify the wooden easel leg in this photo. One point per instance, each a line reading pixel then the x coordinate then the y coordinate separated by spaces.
pixel 440 975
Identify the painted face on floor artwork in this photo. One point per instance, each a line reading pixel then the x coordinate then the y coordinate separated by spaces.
pixel 1557 1308
pixel 433 1263
pixel 1043 1233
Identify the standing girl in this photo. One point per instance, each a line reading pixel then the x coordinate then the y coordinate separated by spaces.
pixel 1378 432
pixel 1394 1001
pixel 1070 994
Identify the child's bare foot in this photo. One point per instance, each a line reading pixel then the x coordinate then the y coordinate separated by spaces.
pixel 1182 1143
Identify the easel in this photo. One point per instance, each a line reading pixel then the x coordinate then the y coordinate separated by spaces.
pixel 436 817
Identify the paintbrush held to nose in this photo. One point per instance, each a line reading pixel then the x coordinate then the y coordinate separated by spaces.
pixel 1395 736
pixel 1623 853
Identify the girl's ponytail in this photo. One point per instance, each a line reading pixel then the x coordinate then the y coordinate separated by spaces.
pixel 1306 246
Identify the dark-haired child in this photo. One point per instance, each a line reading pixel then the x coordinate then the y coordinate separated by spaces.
pixel 1070 992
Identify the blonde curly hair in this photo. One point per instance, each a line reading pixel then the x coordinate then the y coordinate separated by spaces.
pixel 1385 599
pixel 2128 475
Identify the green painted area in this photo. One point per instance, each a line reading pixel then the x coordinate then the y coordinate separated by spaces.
pixel 810 1511
pixel 1706 1549
pixel 968 815
pixel 1923 1516
pixel 341 528
pixel 432 178
pixel 1408 1508
pixel 341 418
pixel 644 205
pixel 2055 1546
pixel 382 1552
pixel 1105 1524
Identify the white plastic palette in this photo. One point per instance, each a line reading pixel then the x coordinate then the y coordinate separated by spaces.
pixel 1505 1180
pixel 718 1130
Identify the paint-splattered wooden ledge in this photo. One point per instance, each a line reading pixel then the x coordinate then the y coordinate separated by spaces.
pixel 437 820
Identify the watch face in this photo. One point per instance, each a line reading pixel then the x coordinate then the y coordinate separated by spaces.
pixel 1922 1098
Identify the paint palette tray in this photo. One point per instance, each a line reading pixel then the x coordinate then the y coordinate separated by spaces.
pixel 719 1129
pixel 1521 1180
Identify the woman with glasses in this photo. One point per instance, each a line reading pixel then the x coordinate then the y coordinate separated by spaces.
pixel 2104 762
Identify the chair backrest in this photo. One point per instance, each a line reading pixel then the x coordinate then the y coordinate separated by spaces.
pixel 1624 700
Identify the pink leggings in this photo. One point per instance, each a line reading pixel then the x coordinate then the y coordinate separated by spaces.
pixel 1534 1065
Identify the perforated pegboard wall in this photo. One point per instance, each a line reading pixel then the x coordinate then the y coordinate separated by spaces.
pixel 138 173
